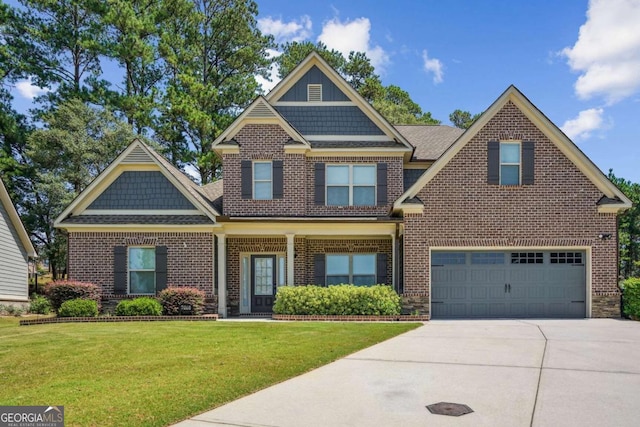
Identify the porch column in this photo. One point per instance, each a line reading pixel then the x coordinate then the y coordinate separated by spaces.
pixel 394 248
pixel 222 276
pixel 290 256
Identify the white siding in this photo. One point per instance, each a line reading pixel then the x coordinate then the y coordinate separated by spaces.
pixel 13 260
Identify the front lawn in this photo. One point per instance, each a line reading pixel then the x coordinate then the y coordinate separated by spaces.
pixel 154 374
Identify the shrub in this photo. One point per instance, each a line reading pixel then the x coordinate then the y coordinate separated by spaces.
pixel 39 305
pixel 78 308
pixel 11 310
pixel 65 290
pixel 143 306
pixel 378 300
pixel 631 297
pixel 174 298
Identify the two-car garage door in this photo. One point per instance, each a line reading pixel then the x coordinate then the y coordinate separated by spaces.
pixel 511 284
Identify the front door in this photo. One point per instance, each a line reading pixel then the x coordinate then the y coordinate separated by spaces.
pixel 263 283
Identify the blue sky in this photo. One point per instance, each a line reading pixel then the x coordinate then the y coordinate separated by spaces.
pixel 578 61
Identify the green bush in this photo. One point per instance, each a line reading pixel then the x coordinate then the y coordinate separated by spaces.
pixel 78 308
pixel 378 300
pixel 39 305
pixel 65 290
pixel 11 310
pixel 143 306
pixel 631 297
pixel 173 299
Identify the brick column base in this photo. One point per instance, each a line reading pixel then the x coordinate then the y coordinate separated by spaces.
pixel 605 306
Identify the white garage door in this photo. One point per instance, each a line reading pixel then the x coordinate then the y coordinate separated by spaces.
pixel 508 284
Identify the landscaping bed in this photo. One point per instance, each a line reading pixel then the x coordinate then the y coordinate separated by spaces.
pixel 111 319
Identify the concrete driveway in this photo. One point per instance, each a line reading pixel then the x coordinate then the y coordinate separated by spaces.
pixel 510 372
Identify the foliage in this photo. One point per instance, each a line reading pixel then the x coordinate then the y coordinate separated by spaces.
pixel 184 368
pixel 143 306
pixel 78 308
pixel 631 297
pixel 61 291
pixel 629 228
pixel 337 300
pixel 463 119
pixel 39 305
pixel 11 310
pixel 174 298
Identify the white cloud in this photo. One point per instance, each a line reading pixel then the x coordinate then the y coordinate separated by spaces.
pixel 433 66
pixel 355 36
pixel 582 126
pixel 607 52
pixel 292 31
pixel 28 90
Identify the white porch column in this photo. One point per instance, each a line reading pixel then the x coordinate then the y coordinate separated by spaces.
pixel 222 276
pixel 290 257
pixel 394 248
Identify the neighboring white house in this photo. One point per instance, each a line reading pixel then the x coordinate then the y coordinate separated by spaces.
pixel 15 251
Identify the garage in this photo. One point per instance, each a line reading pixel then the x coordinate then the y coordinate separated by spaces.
pixel 508 284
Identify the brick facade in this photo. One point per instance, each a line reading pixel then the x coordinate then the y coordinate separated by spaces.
pixel 558 210
pixel 189 257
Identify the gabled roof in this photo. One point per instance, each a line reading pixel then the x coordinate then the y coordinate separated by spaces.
pixel 260 111
pixel 315 59
pixel 430 141
pixel 5 200
pixel 139 153
pixel 546 126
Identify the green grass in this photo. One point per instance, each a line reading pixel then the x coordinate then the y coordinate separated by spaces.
pixel 154 374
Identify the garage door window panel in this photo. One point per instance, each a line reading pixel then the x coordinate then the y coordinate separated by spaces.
pixel 485 258
pixel 527 258
pixel 448 258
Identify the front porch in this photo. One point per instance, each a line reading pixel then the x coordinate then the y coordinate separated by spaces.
pixel 254 259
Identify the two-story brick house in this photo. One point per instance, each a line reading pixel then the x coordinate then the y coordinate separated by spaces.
pixel 506 219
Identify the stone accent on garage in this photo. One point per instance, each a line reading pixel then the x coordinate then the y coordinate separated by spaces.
pixel 603 305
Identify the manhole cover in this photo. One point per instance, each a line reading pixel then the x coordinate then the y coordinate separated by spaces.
pixel 451 409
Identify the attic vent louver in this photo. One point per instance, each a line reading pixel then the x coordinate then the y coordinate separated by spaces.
pixel 260 110
pixel 314 93
pixel 137 155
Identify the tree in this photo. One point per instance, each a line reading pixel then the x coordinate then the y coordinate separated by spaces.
pixel 76 144
pixel 394 103
pixel 463 119
pixel 213 56
pixel 629 228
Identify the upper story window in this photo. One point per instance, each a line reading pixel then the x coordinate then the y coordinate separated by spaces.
pixel 314 93
pixel 510 163
pixel 262 180
pixel 142 270
pixel 351 185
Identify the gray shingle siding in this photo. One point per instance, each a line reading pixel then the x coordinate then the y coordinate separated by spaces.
pixel 13 259
pixel 329 120
pixel 141 190
pixel 139 219
pixel 330 91
pixel 410 176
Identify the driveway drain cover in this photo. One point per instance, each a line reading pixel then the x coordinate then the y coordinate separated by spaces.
pixel 451 409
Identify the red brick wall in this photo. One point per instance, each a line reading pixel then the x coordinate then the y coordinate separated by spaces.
pixel 266 142
pixel 189 257
pixel 462 210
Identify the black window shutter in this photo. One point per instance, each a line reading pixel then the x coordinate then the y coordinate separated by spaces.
pixel 382 184
pixel 278 180
pixel 493 162
pixel 319 184
pixel 528 163
pixel 161 268
pixel 120 270
pixel 246 178
pixel 381 270
pixel 319 269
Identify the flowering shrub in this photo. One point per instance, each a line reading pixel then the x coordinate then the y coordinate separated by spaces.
pixel 175 300
pixel 64 290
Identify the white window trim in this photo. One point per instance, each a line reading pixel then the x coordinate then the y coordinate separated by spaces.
pixel 129 270
pixel 350 273
pixel 254 181
pixel 519 164
pixel 351 185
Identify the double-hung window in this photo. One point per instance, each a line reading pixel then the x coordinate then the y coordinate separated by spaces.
pixel 510 163
pixel 357 269
pixel 351 185
pixel 262 180
pixel 142 270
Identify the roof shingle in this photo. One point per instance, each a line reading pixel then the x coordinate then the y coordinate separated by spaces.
pixel 430 141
